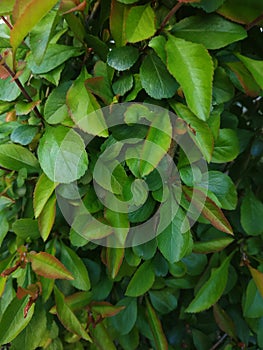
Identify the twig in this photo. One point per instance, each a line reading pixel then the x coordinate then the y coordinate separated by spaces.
pixel 254 22
pixel 94 10
pixel 216 345
pixel 169 16
pixel 6 22
pixel 21 87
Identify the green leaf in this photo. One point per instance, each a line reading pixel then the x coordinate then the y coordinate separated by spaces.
pixel 123 84
pixel 68 318
pixel 26 228
pixel 128 1
pixel 43 191
pixel 32 14
pixel 47 216
pixel 6 6
pixel 40 36
pixel 209 209
pixel 77 268
pixel 86 113
pixel 102 338
pixel 127 317
pixel 241 11
pixel 226 146
pixel 203 136
pixel 255 67
pixel 252 214
pixel 13 320
pixel 253 301
pixel 114 258
pixel 212 31
pixel 158 44
pixel 55 55
pixel 62 154
pixel 223 187
pixel 47 265
pixel 224 321
pixel 56 110
pixel 212 246
pixel 24 134
pixel 212 289
pixel 141 281
pixel 9 91
pixel 122 58
pixel 164 301
pixel 118 17
pixel 258 279
pixel 160 340
pixel 195 74
pixel 155 78
pixel 208 5
pixel 15 157
pixel 140 23
pixel 223 89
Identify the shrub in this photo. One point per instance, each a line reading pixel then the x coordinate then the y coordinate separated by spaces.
pixel 131 171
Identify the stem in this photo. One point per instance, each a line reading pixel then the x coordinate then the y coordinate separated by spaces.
pixel 254 22
pixel 216 345
pixel 6 22
pixel 21 87
pixel 169 16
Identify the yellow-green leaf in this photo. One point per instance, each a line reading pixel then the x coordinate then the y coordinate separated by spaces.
pixel 46 218
pixel 258 278
pixel 43 191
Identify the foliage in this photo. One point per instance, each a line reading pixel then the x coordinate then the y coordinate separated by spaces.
pixel 196 285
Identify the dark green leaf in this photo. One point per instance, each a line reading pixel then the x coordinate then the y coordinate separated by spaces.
pixel 127 317
pixel 141 281
pixel 122 58
pixel 123 84
pixel 252 214
pixel 26 228
pixel 226 146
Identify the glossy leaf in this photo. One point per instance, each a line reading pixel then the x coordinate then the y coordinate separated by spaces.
pixel 62 154
pixel 26 228
pixel 24 134
pixel 77 268
pixel 32 14
pixel 122 58
pixel 241 11
pixel 48 266
pixel 209 210
pixel 223 89
pixel 156 328
pixel 13 321
pixel 141 281
pixel 255 67
pixel 68 318
pixel 212 31
pixel 86 112
pixel 118 17
pixel 43 191
pixel 123 84
pixel 212 289
pixel 226 146
pixel 155 78
pixel 15 157
pixel 140 23
pixel 252 214
pixel 114 258
pixel 46 218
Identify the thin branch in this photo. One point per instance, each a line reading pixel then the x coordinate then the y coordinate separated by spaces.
pixel 254 22
pixel 21 87
pixel 6 22
pixel 216 345
pixel 169 16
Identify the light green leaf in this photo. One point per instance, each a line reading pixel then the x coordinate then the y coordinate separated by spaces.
pixel 155 78
pixel 40 36
pixel 15 157
pixel 255 67
pixel 6 6
pixel 203 136
pixel 68 318
pixel 140 23
pixel 46 218
pixel 32 14
pixel 76 266
pixel 43 191
pixel 26 228
pixel 252 214
pixel 122 58
pixel 62 154
pixel 195 74
pixel 211 290
pixel 85 112
pixel 226 146
pixel 212 31
pixel 56 110
pixel 9 90
pixel 118 17
pixel 55 55
pixel 13 320
pixel 24 134
pixel 141 281
pixel 158 44
pixel 156 328
pixel 47 265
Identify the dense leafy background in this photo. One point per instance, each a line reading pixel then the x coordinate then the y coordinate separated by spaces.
pixel 61 60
